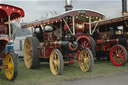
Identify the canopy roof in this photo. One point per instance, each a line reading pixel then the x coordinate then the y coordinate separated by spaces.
pixel 61 16
pixel 111 21
pixel 9 10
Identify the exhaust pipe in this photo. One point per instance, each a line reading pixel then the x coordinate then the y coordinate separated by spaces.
pixel 124 8
pixel 68 5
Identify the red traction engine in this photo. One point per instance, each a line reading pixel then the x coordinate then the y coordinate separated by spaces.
pixel 59 40
pixel 111 38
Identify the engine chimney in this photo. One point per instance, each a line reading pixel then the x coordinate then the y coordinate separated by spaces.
pixel 68 5
pixel 124 8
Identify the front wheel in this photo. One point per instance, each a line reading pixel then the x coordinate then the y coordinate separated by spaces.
pixel 11 63
pixel 56 62
pixel 86 61
pixel 118 55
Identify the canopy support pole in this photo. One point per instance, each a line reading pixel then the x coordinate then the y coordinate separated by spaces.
pixel 9 26
pixel 95 27
pixel 90 30
pixel 15 28
pixel 68 26
pixel 32 29
pixel 73 20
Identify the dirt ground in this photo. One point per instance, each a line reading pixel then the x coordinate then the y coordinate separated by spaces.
pixel 114 79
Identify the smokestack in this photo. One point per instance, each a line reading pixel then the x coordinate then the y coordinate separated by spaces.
pixel 124 7
pixel 68 5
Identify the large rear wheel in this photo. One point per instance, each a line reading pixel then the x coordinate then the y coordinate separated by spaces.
pixel 118 55
pixel 56 62
pixel 11 62
pixel 31 58
pixel 86 60
pixel 89 43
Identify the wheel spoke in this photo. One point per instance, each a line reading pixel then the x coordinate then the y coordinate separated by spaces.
pixel 55 62
pixel 9 72
pixel 118 55
pixel 84 60
pixel 29 59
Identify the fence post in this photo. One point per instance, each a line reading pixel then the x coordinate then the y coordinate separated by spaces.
pixel 21 45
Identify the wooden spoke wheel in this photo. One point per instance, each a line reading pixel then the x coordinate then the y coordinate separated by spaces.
pixel 11 63
pixel 89 43
pixel 31 58
pixel 118 55
pixel 86 60
pixel 56 62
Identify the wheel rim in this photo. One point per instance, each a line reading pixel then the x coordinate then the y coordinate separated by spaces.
pixel 28 53
pixel 117 55
pixel 9 72
pixel 84 60
pixel 85 43
pixel 55 63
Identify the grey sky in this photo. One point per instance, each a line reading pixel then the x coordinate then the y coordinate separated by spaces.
pixel 35 8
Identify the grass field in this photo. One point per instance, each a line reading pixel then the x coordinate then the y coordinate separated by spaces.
pixel 43 75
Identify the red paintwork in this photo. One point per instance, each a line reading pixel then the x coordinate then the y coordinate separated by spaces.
pixel 4 29
pixel 105 45
pixel 5 12
pixel 12 11
pixel 47 47
pixel 81 37
pixel 120 55
pixel 60 37
pixel 60 17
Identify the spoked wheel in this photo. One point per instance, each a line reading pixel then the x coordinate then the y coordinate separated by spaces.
pixel 118 55
pixel 12 69
pixel 56 62
pixel 86 60
pixel 31 58
pixel 89 43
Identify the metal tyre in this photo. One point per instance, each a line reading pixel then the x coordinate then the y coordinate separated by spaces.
pixel 118 55
pixel 31 57
pixel 56 62
pixel 93 45
pixel 12 68
pixel 86 60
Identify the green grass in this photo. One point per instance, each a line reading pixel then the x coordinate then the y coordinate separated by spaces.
pixel 43 74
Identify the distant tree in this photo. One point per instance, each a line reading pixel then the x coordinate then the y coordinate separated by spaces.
pixel 48 14
pixel 20 32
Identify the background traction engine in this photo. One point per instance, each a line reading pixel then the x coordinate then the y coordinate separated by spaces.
pixel 111 38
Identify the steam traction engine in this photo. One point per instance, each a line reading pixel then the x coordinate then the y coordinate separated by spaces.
pixel 8 61
pixel 111 37
pixel 59 40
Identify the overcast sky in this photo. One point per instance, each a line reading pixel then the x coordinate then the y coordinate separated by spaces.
pixel 34 9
